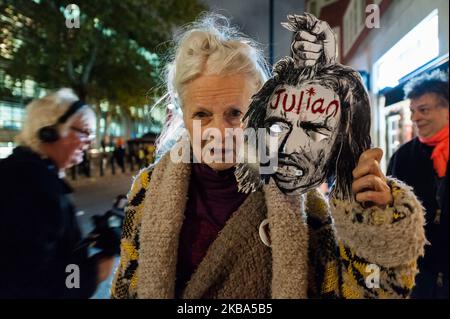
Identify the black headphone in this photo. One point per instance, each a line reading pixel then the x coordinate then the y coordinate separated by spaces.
pixel 50 133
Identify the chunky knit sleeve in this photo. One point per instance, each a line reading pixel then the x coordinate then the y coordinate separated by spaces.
pixel 125 279
pixel 367 252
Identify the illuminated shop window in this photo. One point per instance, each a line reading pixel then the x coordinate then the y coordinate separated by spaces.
pixel 416 48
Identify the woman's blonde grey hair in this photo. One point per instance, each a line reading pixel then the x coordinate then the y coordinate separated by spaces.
pixel 45 111
pixel 208 46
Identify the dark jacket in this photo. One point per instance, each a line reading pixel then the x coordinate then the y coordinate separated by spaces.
pixel 412 164
pixel 39 232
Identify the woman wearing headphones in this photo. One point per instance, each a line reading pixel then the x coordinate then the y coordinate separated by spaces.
pixel 38 227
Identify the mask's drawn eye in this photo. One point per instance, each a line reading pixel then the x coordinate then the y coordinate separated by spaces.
pixel 275 129
pixel 317 131
pixel 318 136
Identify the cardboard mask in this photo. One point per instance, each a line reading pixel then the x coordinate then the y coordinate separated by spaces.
pixel 320 116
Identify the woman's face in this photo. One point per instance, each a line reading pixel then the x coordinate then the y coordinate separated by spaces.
pixel 212 104
pixel 69 148
pixel 305 119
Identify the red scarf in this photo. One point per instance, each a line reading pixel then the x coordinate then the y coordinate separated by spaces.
pixel 440 151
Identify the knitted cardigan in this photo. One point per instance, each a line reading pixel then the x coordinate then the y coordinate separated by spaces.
pixel 317 249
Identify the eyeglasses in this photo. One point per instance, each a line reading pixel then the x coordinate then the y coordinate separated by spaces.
pixel 84 134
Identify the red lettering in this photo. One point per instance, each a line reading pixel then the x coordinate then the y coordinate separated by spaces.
pixel 309 101
pixel 336 107
pixel 316 105
pixel 319 109
pixel 278 93
pixel 292 103
pixel 300 102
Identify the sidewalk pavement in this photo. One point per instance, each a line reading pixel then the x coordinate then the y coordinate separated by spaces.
pixel 95 196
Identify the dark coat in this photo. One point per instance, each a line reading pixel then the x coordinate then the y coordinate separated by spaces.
pixel 412 164
pixel 39 232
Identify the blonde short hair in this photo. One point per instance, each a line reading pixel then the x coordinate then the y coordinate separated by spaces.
pixel 45 111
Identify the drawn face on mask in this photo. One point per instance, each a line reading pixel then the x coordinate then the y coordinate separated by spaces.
pixel 305 119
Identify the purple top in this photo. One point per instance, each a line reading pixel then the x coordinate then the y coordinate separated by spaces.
pixel 212 198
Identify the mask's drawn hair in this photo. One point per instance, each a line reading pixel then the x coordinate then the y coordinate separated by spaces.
pixel 207 46
pixel 354 126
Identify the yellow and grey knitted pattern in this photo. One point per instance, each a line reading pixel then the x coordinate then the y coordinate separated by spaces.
pixel 383 244
pixel 348 244
pixel 125 281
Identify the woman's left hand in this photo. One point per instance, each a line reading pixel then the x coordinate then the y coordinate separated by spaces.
pixel 369 182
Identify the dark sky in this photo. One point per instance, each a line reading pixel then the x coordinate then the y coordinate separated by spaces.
pixel 252 17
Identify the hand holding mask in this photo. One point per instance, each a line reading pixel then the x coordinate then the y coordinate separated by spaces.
pixel 317 111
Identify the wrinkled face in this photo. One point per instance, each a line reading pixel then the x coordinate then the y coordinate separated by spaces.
pixel 217 103
pixel 68 150
pixel 305 119
pixel 429 114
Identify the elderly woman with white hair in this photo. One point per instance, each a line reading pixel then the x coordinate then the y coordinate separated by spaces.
pixel 189 233
pixel 38 223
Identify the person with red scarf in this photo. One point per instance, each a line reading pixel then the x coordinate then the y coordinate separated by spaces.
pixel 423 164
